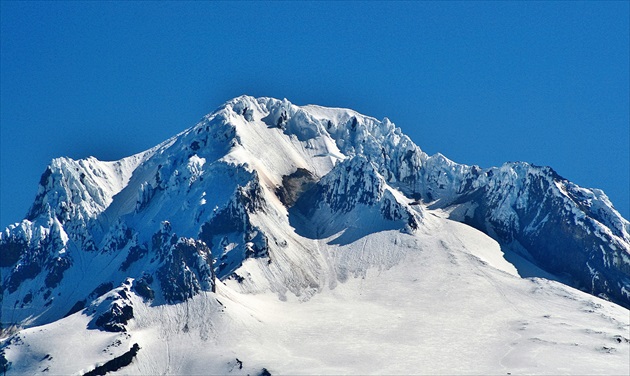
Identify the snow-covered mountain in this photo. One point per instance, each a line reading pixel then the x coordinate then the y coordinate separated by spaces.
pixel 275 238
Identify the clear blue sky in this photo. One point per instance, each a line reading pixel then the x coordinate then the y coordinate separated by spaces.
pixel 482 83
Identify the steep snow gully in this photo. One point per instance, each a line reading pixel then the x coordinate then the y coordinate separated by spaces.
pixel 272 238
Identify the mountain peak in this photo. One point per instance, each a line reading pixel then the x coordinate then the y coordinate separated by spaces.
pixel 266 197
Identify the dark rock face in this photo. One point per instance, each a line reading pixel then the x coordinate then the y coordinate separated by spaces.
pixel 117 363
pixel 294 185
pixel 142 287
pixel 31 255
pixel 135 254
pixel 573 246
pixel 392 210
pixel 20 274
pixel 234 217
pixel 569 250
pixel 114 319
pixel 101 290
pixel 185 267
pixel 5 365
pixel 233 222
pixel 352 183
pixel 250 197
pixel 551 219
pixel 38 206
pixel 79 305
pixel 121 235
pixel 186 271
pixel 115 311
pixel 162 240
pixel 56 267
pixel 10 252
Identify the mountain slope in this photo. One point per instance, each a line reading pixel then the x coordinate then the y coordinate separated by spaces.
pixel 265 207
pixel 425 306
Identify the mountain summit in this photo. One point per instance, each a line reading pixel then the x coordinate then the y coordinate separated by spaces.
pixel 248 241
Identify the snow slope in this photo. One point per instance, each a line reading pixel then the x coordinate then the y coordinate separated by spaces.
pixel 426 306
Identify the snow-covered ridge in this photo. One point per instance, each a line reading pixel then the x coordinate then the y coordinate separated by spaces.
pixel 82 189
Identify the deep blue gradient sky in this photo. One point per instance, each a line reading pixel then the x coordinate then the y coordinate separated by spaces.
pixel 482 83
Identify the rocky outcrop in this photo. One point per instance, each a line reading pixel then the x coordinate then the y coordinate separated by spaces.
pixel 117 363
pixel 567 230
